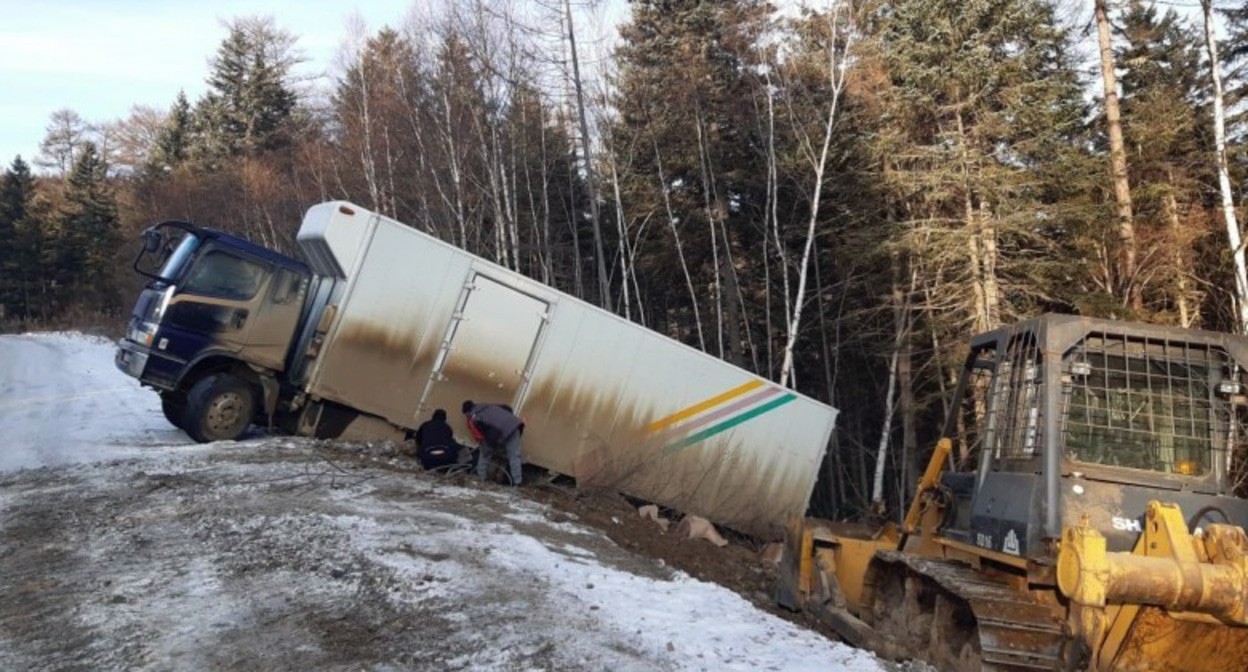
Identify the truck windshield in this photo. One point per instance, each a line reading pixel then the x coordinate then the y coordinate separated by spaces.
pixel 178 258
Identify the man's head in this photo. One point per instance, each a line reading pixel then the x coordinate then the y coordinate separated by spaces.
pixel 467 407
pixel 440 414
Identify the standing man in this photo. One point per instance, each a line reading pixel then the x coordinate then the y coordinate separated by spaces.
pixel 497 427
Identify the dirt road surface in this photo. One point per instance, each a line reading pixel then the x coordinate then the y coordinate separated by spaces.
pixel 124 546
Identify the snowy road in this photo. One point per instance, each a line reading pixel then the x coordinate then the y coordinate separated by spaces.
pixel 123 547
pixel 62 401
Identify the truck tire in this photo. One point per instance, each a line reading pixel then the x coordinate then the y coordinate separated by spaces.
pixel 218 408
pixel 173 405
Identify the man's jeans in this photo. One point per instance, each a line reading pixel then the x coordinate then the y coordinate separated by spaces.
pixel 512 445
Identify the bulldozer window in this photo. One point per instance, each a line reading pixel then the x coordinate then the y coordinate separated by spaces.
pixel 1012 414
pixel 1000 414
pixel 1135 410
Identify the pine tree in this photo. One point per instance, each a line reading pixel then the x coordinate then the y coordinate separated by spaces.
pixel 687 128
pixel 174 137
pixel 980 146
pixel 1166 129
pixel 250 100
pixel 88 233
pixel 1235 57
pixel 16 191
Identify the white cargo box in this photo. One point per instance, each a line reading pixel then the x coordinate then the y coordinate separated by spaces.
pixel 421 324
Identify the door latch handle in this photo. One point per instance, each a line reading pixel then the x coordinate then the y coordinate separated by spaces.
pixel 240 318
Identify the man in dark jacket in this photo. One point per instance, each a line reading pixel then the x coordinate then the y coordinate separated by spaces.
pixel 498 428
pixel 435 442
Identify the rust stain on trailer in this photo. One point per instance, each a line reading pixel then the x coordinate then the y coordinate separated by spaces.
pixel 361 369
pixel 582 422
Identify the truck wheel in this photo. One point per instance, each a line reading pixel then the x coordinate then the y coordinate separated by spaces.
pixel 173 405
pixel 219 408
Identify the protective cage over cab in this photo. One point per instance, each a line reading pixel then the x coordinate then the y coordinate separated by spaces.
pixel 1114 410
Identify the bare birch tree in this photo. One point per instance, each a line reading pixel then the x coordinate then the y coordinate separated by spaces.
pixel 881 455
pixel 839 43
pixel 680 249
pixel 1233 236
pixel 604 288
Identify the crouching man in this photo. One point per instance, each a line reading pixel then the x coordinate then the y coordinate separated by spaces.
pixel 435 442
pixel 497 428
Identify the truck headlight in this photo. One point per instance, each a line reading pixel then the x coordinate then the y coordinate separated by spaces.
pixel 143 333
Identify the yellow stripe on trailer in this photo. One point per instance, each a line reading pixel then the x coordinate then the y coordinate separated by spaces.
pixel 703 405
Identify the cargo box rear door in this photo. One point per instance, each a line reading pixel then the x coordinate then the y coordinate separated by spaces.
pixel 489 347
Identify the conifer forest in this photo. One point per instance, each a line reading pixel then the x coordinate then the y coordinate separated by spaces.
pixel 835 197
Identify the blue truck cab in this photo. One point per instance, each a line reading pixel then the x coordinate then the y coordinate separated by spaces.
pixel 214 331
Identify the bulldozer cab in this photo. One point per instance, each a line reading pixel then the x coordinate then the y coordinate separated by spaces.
pixel 1060 417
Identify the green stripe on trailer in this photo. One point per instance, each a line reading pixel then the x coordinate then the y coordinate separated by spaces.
pixel 727 424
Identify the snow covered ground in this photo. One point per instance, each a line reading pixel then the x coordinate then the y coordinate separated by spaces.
pixel 63 401
pixel 124 546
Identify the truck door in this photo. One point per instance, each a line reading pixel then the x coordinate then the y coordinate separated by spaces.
pixel 215 302
pixel 489 345
pixel 273 323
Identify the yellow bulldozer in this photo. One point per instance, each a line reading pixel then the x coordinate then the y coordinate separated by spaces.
pixel 1084 510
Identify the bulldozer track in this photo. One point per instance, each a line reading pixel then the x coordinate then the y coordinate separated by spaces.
pixel 957 618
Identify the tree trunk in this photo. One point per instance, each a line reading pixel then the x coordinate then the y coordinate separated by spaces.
pixel 830 354
pixel 906 401
pixel 604 288
pixel 456 180
pixel 1224 179
pixel 976 252
pixel 624 252
pixel 773 212
pixel 1188 309
pixel 523 156
pixel 547 255
pixel 981 240
pixel 881 455
pixel 708 196
pixel 680 250
pixel 733 304
pixel 988 245
pixel 368 162
pixel 836 81
pixel 1127 282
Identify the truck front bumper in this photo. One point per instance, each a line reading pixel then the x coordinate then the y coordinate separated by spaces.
pixel 131 358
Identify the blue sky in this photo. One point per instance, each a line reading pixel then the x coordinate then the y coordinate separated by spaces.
pixel 100 57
